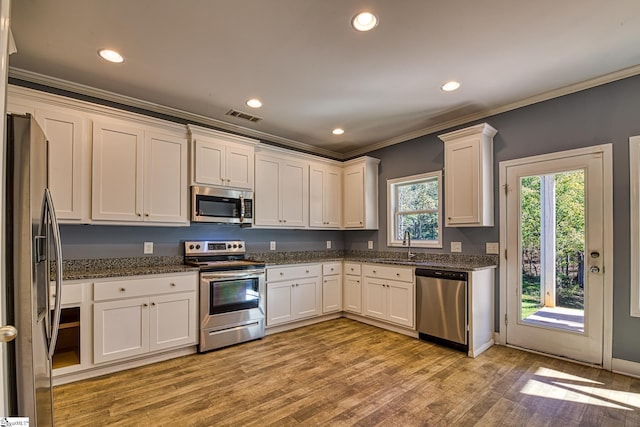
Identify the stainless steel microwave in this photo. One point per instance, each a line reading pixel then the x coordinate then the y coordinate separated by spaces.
pixel 221 205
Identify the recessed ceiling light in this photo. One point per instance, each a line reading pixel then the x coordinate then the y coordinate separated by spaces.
pixel 110 55
pixel 254 103
pixel 364 21
pixel 337 131
pixel 450 86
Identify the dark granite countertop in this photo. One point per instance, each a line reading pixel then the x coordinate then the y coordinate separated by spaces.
pixel 86 269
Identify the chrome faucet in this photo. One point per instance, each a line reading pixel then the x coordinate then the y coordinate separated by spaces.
pixel 406 240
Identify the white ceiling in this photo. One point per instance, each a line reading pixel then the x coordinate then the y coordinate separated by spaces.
pixel 313 72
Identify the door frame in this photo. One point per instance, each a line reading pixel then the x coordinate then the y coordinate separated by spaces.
pixel 606 150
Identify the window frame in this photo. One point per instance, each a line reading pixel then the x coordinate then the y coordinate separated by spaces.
pixel 634 215
pixel 392 213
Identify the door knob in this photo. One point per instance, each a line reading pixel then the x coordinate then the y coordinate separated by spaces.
pixel 8 333
pixel 594 269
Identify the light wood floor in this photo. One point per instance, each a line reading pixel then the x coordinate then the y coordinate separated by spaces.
pixel 341 373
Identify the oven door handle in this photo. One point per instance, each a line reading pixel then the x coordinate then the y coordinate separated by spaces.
pixel 247 274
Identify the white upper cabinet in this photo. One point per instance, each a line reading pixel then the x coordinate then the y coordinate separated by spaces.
pixel 325 196
pixel 68 133
pixel 281 191
pixel 138 175
pixel 221 159
pixel 468 176
pixel 361 193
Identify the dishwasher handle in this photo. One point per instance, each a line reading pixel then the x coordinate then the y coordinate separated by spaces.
pixel 442 274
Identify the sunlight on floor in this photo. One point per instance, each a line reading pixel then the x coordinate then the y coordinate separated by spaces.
pixel 579 390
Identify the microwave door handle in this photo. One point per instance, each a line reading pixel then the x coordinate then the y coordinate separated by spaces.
pixel 242 208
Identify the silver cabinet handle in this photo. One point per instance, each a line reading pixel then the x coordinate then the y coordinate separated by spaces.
pixel 8 333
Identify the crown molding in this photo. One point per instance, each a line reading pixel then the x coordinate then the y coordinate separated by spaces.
pixel 556 93
pixel 56 83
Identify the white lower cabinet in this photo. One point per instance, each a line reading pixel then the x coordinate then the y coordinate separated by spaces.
pixel 331 287
pixel 293 293
pixel 136 316
pixel 352 292
pixel 389 294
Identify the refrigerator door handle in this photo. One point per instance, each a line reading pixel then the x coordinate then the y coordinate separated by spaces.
pixel 49 218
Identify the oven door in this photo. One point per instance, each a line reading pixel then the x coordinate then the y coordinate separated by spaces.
pixel 231 297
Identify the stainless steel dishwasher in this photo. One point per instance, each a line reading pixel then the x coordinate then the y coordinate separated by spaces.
pixel 441 299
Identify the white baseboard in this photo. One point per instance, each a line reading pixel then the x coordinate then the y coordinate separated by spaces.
pixel 294 325
pixel 625 367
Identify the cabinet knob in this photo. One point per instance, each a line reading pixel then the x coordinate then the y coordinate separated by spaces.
pixel 306 271
pixel 284 220
pixel 145 305
pixel 332 269
pixel 138 213
pixel 173 285
pixel 146 214
pixel 281 273
pixel 325 281
pixel 297 284
pixel 153 303
pixel 122 289
pixel 292 285
pixel 374 272
pixel 398 274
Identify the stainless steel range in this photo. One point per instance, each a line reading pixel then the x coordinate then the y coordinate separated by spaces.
pixel 232 293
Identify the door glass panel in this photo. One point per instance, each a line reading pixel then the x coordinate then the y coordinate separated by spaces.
pixel 552 246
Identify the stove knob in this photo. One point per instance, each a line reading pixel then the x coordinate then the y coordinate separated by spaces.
pixel 240 245
pixel 229 246
pixel 191 247
pixel 235 246
pixel 197 246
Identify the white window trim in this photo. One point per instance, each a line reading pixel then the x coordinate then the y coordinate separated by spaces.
pixel 391 241
pixel 634 195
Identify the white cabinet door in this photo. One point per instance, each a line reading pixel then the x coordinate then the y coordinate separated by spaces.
pixel 375 298
pixel 353 294
pixel 461 182
pixel 239 166
pixel 280 302
pixel 120 329
pixel 209 162
pixel 294 193
pixel 282 192
pixel 117 172
pixel 66 133
pixel 325 196
pixel 331 294
pixel 267 195
pixel 165 178
pixel 354 197
pixel 172 321
pixel 306 298
pixel 400 303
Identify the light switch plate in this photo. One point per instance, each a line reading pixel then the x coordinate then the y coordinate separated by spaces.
pixel 456 246
pixel 272 245
pixel 148 248
pixel 493 248
pixel 370 244
pixel 328 244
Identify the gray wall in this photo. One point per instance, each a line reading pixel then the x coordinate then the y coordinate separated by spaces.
pixel 605 114
pixel 112 241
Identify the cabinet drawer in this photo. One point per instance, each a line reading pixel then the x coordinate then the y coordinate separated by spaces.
pixel 71 294
pixel 352 268
pixel 143 287
pixel 330 268
pixel 389 273
pixel 276 274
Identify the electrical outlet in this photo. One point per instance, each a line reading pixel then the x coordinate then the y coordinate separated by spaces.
pixel 272 245
pixel 493 248
pixel 148 248
pixel 328 244
pixel 370 244
pixel 456 246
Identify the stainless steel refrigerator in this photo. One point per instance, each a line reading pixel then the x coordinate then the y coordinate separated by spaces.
pixel 32 243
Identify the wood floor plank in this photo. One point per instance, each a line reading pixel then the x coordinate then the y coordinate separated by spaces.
pixel 345 373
